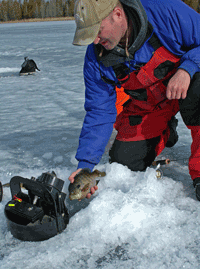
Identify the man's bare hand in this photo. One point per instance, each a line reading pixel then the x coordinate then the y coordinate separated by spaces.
pixel 178 85
pixel 92 191
pixel 71 179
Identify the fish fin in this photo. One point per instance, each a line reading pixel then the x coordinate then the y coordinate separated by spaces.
pixel 97 181
pixel 101 174
pixel 84 170
pixel 86 187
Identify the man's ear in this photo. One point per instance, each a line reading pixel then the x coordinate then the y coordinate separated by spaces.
pixel 117 14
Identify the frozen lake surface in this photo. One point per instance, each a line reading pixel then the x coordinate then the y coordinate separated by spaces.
pixel 134 221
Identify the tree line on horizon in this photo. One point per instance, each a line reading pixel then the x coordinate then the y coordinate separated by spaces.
pixel 11 10
pixel 15 10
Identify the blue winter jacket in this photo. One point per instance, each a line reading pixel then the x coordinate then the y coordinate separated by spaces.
pixel 178 28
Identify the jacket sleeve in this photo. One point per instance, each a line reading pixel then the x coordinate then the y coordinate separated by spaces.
pixel 100 115
pixel 178 27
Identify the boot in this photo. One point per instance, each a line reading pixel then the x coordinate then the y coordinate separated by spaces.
pixel 173 138
pixel 196 183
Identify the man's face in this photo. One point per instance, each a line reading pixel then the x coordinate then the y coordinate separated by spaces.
pixel 109 34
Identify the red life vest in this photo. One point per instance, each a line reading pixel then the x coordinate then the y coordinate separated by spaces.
pixel 146 113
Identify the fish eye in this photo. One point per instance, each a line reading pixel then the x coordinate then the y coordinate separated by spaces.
pixel 78 186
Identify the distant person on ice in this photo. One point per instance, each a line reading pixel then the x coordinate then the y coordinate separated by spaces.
pixel 28 67
pixel 145 55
